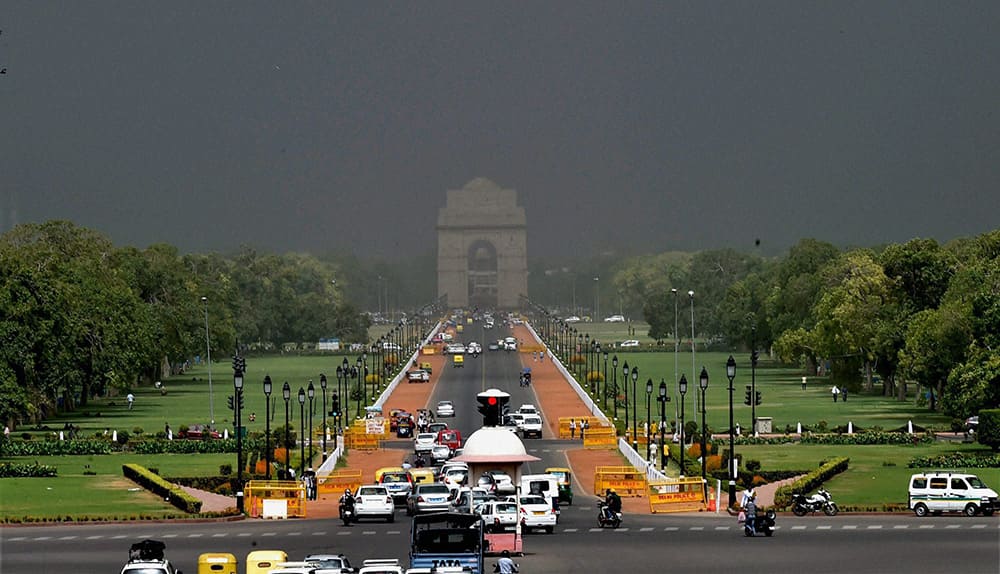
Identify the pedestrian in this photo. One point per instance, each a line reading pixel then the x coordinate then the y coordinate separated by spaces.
pixel 131 399
pixel 505 565
pixel 6 431
pixel 843 394
pixel 167 431
pixel 584 427
pixel 572 428
pixel 253 417
pixel 803 383
pixel 835 391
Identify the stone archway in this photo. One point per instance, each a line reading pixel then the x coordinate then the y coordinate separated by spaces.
pixel 482 247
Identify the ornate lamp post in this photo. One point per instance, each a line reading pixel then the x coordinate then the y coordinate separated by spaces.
pixel 683 386
pixel 579 346
pixel 731 374
pixel 586 361
pixel 311 393
pixel 286 393
pixel 238 368
pixel 302 431
pixel 208 356
pixel 625 384
pixel 649 441
pixel 346 395
pixel 635 411
pixel 322 385
pixel 604 396
pixel 703 383
pixel 614 389
pixel 267 424
pixel 358 372
pixel 664 398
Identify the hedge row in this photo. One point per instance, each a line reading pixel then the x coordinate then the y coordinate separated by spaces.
pixel 153 446
pixel 858 438
pixel 106 518
pixel 815 479
pixel 21 470
pixel 152 482
pixel 956 460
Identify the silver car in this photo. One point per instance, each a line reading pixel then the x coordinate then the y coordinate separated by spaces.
pixel 429 497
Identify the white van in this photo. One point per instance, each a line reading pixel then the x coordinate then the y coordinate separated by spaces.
pixel 937 492
pixel 545 485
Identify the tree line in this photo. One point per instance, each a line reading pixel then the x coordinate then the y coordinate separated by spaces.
pixel 80 317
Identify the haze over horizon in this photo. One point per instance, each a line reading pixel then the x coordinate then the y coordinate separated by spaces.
pixel 638 127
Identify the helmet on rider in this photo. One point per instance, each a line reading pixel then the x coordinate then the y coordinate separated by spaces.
pixel 505 553
pixel 347 491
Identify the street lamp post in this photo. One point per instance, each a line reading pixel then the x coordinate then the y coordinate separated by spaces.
pixel 586 362
pixel 267 424
pixel 358 372
pixel 731 374
pixel 311 393
pixel 286 393
pixel 208 355
pixel 346 395
pixel 302 431
pixel 322 385
pixel 683 385
pixel 691 297
pixel 238 368
pixel 614 387
pixel 625 384
pixel 677 346
pixel 604 396
pixel 635 411
pixel 753 377
pixel 664 398
pixel 703 383
pixel 649 442
pixel 579 365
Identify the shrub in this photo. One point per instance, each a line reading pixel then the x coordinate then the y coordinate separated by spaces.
pixel 161 487
pixel 815 479
pixel 123 437
pixel 988 432
pixel 225 469
pixel 137 431
pixel 594 377
pixel 26 470
pixel 752 465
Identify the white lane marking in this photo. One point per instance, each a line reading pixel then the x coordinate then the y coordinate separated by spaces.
pixel 798 528
pixel 120 536
pixel 926 526
pixel 244 534
pixel 43 538
pixel 169 536
pixel 849 527
pixel 67 537
pixel 597 530
pixel 294 534
pixel 901 527
pixel 697 528
pixel 17 539
pixel 953 526
pixel 220 535
pixel 979 526
pixel 269 534
pixel 722 528
pixel 368 532
pixel 341 533
pixel 671 529
pixel 646 529
pixel 570 530
pixel 392 532
pixel 97 537
pixel 823 528
pixel 195 535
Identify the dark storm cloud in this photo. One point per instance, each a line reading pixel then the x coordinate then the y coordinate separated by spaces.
pixel 295 126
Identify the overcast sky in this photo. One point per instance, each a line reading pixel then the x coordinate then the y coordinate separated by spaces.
pixel 294 126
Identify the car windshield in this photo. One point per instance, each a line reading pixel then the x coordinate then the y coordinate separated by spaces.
pixel 533 500
pixel 434 489
pixel 371 492
pixel 532 420
pixel 394 478
pixel 975 482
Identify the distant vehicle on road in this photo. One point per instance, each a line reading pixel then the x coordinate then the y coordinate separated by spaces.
pixel 199 432
pixel 571 319
pixel 445 409
pixel 615 319
pixel 629 343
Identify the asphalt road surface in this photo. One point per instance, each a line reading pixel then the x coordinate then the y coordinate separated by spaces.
pixel 696 543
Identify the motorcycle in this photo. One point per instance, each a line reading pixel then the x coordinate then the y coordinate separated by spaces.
pixel 822 500
pixel 605 517
pixel 761 522
pixel 347 514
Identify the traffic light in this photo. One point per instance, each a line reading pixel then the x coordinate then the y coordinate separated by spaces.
pixel 229 400
pixel 492 403
pixel 242 404
pixel 753 358
pixel 335 406
pixel 757 399
pixel 239 364
pixel 746 396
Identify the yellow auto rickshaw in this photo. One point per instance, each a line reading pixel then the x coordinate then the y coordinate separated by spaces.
pixel 458 360
pixel 421 475
pixel 385 469
pixel 565 483
pixel 263 561
pixel 217 563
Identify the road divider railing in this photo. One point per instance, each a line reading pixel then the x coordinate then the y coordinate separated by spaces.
pixel 676 495
pixel 275 499
pixel 339 480
pixel 625 480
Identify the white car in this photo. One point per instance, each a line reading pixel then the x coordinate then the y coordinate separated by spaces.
pixel 424 442
pixel 455 476
pixel 531 425
pixel 440 452
pixel 498 515
pixel 536 512
pixel 473 348
pixel 629 343
pixel 614 319
pixel 331 562
pixel 571 319
pixel 445 409
pixel 381 566
pixel 504 484
pixel 527 410
pixel 374 501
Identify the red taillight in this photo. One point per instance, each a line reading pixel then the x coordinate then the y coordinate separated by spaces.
pixel 523 511
pixel 388 500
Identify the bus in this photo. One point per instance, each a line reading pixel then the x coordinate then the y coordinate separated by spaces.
pixel 447 539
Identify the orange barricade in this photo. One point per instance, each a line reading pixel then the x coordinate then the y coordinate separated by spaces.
pixel 676 495
pixel 291 492
pixel 626 480
pixel 595 423
pixel 338 480
pixel 600 437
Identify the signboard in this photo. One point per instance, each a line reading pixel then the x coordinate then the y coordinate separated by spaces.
pixel 375 425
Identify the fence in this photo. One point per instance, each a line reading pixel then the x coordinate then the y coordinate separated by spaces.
pixel 626 480
pixel 338 480
pixel 275 498
pixel 676 495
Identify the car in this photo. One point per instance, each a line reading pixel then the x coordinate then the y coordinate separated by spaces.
pixel 629 343
pixel 445 409
pixel 571 319
pixel 398 483
pixel 433 497
pixel 615 319
pixel 972 424
pixel 531 425
pixel 509 344
pixel 469 498
pixel 456 476
pixel 436 427
pixel 504 484
pixel 440 452
pixel 454 349
pixel 381 566
pixel 374 500
pixel 494 347
pixel 417 376
pixel 527 409
pixel 161 566
pixel 516 419
pixel 498 515
pixel 199 432
pixel 424 442
pixel 473 348
pixel 331 562
pixel 451 438
pixel 536 512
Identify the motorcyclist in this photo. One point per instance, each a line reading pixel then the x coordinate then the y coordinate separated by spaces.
pixel 612 503
pixel 419 462
pixel 750 508
pixel 347 501
pixel 505 565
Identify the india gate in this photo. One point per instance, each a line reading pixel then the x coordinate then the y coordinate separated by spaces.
pixel 482 248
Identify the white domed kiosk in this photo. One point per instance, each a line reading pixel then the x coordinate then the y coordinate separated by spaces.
pixel 494 448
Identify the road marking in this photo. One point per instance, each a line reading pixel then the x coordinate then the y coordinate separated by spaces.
pixel 849 527
pixel 619 529
pixel 646 529
pixel 47 538
pixel 17 539
pixel 169 536
pixel 979 526
pixel 244 534
pixel 392 532
pixel 925 526
pixel 798 528
pixel 118 537
pixel 368 532
pixel 320 533
pixel 98 537
pixel 954 526
pixel 269 534
pixel 570 530
pixel 901 527
pixel 722 528
pixel 220 535
pixel 67 537
pixel 671 529
pixel 294 534
pixel 195 535
pixel 697 528
pixel 823 528
pixel 597 530
pixel 874 527
pixel 342 533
